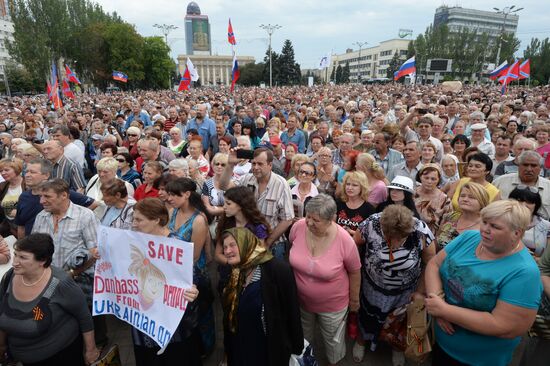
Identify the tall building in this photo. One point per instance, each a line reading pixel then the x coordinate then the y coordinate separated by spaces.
pixel 197 31
pixel 482 21
pixel 6 33
pixel 369 62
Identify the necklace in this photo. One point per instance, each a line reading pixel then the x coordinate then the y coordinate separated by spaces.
pixel 467 226
pixel 34 283
pixel 512 251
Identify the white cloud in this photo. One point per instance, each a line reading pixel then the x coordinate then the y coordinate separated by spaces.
pixel 314 27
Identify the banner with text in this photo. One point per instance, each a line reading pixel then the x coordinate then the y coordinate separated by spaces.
pixel 141 278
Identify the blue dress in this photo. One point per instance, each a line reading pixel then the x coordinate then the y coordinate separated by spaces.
pixel 201 278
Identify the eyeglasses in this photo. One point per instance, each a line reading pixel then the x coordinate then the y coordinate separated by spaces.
pixel 131 134
pixel 530 188
pixel 121 160
pixel 219 164
pixel 325 156
pixel 306 173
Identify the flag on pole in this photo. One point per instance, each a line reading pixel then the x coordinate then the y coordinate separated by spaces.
pixel 53 89
pixel 120 76
pixel 324 62
pixel 230 35
pixel 67 90
pixel 408 68
pixel 185 81
pixel 193 73
pixel 499 71
pixel 511 74
pixel 71 76
pixel 525 70
pixel 235 74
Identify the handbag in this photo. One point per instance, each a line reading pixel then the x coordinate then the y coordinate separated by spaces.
pixel 109 357
pixel 352 326
pixel 419 335
pixel 394 330
pixel 305 359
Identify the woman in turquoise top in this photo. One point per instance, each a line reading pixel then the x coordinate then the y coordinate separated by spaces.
pixel 484 290
pixel 189 222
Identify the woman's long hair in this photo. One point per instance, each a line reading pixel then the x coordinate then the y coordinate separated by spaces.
pixel 244 197
pixel 180 186
pixel 408 202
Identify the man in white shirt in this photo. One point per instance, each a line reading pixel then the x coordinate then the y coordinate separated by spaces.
pixel 478 139
pixel 72 152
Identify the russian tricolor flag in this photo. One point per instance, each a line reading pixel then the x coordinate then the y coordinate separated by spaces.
pixel 499 71
pixel 409 67
pixel 236 73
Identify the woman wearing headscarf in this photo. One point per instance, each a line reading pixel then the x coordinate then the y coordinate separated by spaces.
pixel 449 165
pixel 260 302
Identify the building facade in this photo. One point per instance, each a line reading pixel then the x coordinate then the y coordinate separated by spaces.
pixel 6 34
pixel 197 31
pixel 370 62
pixel 481 21
pixel 213 70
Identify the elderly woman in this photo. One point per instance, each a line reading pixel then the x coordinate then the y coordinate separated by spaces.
pixel 26 152
pixel 431 203
pixel 132 136
pixel 479 166
pixel 295 165
pixel 120 208
pixel 305 189
pixel 65 336
pixel 108 150
pixel 449 165
pixel 243 166
pixel 484 289
pixel 211 194
pixel 10 190
pixel 326 266
pixel 179 168
pixel 398 245
pixel 106 172
pixel 472 199
pixel 428 153
pixel 176 142
pixel 152 171
pixel 260 303
pixel 366 144
pixel 195 153
pixel 326 171
pixel 126 170
pixel 459 144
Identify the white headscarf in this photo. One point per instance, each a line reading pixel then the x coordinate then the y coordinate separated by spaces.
pixel 449 179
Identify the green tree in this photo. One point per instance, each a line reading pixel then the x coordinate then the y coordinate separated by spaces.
pixel 19 80
pixel 289 70
pixel 393 66
pixel 345 73
pixel 252 74
pixel 538 53
pixel 157 64
pixel 338 78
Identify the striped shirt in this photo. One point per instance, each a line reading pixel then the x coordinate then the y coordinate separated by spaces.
pixel 275 202
pixel 70 172
pixel 76 231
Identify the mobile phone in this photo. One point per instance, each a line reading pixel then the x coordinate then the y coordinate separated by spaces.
pixel 245 154
pixel 422 111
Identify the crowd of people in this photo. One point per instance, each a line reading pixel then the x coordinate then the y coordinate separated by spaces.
pixel 318 206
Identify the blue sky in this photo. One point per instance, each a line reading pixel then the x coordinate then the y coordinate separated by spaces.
pixel 314 27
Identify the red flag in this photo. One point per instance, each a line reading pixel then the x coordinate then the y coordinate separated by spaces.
pixel 185 81
pixel 511 74
pixel 236 73
pixel 54 95
pixel 67 90
pixel 230 35
pixel 525 70
pixel 71 75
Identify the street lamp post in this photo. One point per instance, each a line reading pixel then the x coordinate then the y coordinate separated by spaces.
pixel 270 29
pixel 506 11
pixel 360 45
pixel 166 29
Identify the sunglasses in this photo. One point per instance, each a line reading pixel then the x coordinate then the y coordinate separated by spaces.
pixel 131 134
pixel 530 188
pixel 219 164
pixel 306 173
pixel 121 160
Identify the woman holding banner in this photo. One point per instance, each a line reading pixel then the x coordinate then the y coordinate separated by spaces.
pixel 189 222
pixel 151 217
pixel 260 302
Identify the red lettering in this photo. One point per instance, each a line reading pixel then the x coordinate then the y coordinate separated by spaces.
pixel 179 255
pixel 151 246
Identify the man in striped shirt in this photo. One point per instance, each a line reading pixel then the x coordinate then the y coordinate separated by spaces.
pixel 64 168
pixel 272 193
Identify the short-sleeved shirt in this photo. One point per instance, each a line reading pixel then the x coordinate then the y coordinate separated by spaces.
pixel 351 217
pixel 478 284
pixel 323 281
pixel 275 202
pixel 29 206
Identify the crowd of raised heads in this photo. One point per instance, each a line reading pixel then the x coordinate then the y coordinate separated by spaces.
pixel 326 211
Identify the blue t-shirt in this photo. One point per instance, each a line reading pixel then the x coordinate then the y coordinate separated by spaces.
pixel 477 284
pixel 28 206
